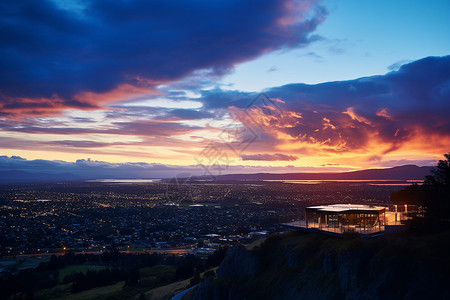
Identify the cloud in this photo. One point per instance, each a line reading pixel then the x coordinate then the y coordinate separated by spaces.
pixel 142 128
pixel 80 144
pixel 269 157
pixel 57 56
pixel 18 169
pixel 89 169
pixel 189 114
pixel 395 66
pixel 366 121
pixel 405 109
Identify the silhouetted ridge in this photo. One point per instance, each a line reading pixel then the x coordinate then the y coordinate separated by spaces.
pixel 407 172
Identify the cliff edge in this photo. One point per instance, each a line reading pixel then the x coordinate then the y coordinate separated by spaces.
pixel 298 265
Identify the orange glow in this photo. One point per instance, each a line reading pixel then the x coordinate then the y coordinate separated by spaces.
pixel 37 107
pixel 351 112
pixel 88 101
pixel 383 113
pixel 123 92
pixel 319 139
pixel 327 145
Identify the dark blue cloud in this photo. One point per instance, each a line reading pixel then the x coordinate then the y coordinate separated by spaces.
pixel 417 94
pixel 18 169
pixel 151 128
pixel 218 98
pixel 49 51
pixel 159 113
pixel 346 115
pixel 80 144
pixel 189 114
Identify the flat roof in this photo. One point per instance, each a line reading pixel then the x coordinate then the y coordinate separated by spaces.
pixel 346 207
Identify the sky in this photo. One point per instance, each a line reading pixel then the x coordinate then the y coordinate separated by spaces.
pixel 220 87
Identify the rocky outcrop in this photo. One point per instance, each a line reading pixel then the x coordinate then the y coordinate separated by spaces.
pixel 311 266
pixel 239 263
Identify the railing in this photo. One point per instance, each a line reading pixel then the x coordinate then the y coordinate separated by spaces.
pixel 338 229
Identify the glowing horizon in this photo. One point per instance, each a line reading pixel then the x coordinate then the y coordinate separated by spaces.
pixel 182 90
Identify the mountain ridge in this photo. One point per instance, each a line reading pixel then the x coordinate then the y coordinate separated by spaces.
pixel 398 173
pixel 405 172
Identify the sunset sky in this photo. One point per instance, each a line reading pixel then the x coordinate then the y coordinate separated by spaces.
pixel 232 86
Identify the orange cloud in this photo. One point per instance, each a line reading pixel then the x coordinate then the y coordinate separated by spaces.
pixel 345 138
pixel 351 112
pixel 123 92
pixel 20 107
pixel 383 113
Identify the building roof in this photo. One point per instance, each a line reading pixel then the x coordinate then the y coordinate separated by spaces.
pixel 346 208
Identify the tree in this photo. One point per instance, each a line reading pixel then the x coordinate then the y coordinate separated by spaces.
pixel 434 194
pixel 441 174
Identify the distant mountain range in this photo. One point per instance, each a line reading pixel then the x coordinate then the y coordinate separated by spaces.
pixel 401 173
pixel 407 172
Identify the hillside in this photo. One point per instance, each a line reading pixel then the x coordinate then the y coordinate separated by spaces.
pixel 19 170
pixel 300 265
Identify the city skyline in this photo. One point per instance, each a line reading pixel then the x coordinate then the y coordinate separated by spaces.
pixel 277 86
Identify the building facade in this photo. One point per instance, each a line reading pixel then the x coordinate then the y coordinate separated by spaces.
pixel 346 218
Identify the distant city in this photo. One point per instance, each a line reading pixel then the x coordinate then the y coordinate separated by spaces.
pixel 38 219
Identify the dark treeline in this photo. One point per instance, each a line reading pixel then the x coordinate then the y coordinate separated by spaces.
pixel 433 195
pixel 134 269
pixel 110 258
pixel 92 278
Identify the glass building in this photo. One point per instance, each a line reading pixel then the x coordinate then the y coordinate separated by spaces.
pixel 341 218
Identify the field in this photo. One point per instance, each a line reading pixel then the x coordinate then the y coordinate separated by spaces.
pixel 96 292
pixel 62 291
pixel 76 269
pixel 21 263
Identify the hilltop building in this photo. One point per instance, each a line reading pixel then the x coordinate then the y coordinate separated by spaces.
pixel 358 218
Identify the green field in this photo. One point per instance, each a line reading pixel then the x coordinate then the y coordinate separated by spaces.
pixel 62 291
pixel 22 263
pixel 58 291
pixel 76 269
pixel 96 292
